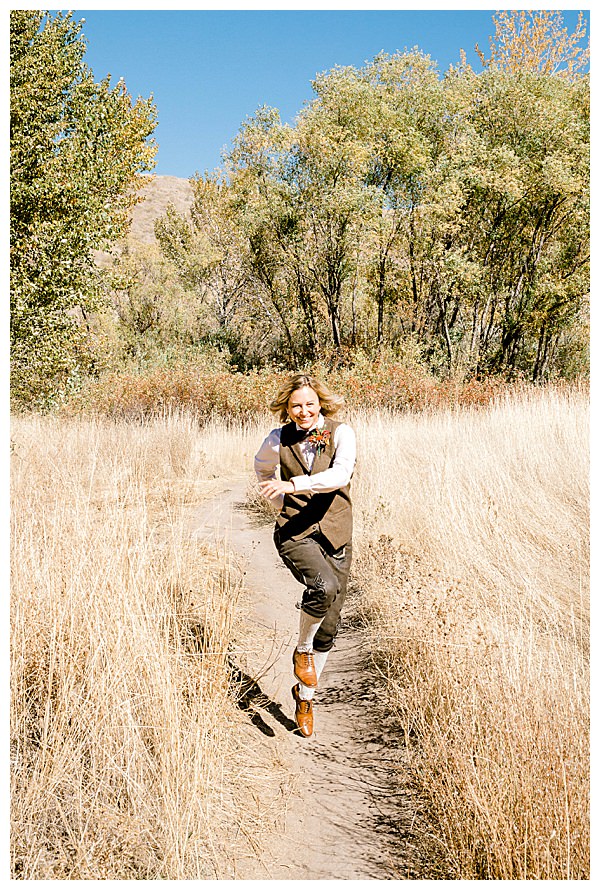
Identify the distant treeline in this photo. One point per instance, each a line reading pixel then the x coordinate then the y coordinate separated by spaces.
pixel 449 213
pixel 443 218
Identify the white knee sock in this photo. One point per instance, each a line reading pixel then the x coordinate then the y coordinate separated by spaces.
pixel 306 692
pixel 309 625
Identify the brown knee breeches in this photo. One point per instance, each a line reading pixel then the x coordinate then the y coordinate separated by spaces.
pixel 324 573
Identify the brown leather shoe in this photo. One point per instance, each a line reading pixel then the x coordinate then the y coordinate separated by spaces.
pixel 304 668
pixel 304 713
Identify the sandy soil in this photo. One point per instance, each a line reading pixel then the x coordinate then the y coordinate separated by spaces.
pixel 349 816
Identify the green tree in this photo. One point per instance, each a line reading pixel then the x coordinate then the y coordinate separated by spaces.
pixel 448 214
pixel 407 140
pixel 77 147
pixel 208 253
pixel 522 222
pixel 154 317
pixel 263 206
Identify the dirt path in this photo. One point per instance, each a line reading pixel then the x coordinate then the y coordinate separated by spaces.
pixel 349 817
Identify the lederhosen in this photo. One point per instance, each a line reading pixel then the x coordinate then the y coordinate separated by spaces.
pixel 313 534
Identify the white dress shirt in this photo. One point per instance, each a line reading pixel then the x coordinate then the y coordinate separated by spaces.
pixel 336 476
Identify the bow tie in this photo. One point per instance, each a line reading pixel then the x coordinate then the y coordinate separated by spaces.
pixel 306 434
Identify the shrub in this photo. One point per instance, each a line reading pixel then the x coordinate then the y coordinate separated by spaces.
pixel 224 393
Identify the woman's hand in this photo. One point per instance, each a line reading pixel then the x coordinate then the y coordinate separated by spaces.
pixel 273 488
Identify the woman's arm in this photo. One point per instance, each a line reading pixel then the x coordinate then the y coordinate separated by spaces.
pixel 266 462
pixel 266 459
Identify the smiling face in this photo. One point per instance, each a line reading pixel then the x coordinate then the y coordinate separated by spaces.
pixel 303 407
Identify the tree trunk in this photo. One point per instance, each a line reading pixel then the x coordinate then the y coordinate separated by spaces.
pixel 307 308
pixel 447 340
pixel 335 326
pixel 381 292
pixel 443 318
pixel 380 300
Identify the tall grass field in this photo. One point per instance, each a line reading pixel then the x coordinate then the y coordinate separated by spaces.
pixel 473 560
pixel 129 758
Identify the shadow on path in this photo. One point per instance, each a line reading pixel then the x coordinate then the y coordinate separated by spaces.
pixel 249 697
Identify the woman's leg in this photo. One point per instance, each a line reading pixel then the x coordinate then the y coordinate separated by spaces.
pixel 340 562
pixel 310 564
pixel 306 693
pixel 325 635
pixel 325 575
pixel 308 561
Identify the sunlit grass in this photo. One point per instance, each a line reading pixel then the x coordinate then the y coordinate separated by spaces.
pixel 472 562
pixel 473 558
pixel 128 760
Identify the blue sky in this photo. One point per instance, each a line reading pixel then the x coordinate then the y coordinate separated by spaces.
pixel 208 70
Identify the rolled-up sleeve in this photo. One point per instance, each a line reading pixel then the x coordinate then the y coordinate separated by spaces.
pixel 266 459
pixel 340 472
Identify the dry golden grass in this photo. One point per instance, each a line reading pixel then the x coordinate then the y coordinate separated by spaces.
pixel 473 557
pixel 128 751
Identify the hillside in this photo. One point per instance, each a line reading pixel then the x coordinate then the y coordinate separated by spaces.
pixel 158 193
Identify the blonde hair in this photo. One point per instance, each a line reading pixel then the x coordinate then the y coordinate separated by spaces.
pixel 330 403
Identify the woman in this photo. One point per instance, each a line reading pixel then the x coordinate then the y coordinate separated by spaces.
pixel 313 531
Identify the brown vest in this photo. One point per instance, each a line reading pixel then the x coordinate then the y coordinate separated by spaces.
pixel 305 513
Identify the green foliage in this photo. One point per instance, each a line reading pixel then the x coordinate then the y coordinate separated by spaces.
pixel 76 149
pixel 405 206
pixel 208 254
pixel 155 313
pixel 404 212
pixel 526 214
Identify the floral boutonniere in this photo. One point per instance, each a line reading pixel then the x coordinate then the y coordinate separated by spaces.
pixel 319 438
